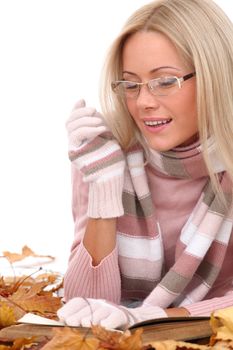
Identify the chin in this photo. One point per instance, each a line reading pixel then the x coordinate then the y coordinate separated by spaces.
pixel 160 147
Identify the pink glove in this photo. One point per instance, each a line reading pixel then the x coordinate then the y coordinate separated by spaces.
pixel 87 312
pixel 98 156
pixel 84 123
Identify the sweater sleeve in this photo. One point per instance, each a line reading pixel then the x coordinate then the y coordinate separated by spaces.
pixel 206 307
pixel 82 279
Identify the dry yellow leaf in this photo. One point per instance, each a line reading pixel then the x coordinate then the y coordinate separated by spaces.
pixel 7 316
pixel 68 338
pixel 26 251
pixel 30 300
pixel 132 342
pixel 118 340
pixel 222 325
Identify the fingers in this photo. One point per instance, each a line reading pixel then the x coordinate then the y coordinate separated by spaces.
pixel 86 121
pixel 80 103
pixel 84 134
pixel 73 305
pixel 88 312
pixel 77 317
pixel 95 318
pixel 76 309
pixel 116 319
pixel 81 112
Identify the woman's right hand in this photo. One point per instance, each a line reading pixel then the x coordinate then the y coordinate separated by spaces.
pixel 84 124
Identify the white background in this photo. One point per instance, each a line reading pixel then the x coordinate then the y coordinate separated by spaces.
pixel 51 54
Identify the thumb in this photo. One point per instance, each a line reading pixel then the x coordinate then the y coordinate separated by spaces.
pixel 79 104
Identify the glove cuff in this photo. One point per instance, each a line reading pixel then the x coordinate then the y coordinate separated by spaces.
pixel 105 198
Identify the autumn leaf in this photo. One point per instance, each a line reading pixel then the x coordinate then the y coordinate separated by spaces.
pixel 30 300
pixel 19 344
pixel 69 338
pixel 7 316
pixel 23 296
pixel 54 281
pixel 26 251
pixel 132 342
pixel 8 287
pixel 23 343
pixel 107 336
pixel 221 322
pixel 118 340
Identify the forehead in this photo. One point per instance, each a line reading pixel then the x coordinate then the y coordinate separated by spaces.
pixel 149 50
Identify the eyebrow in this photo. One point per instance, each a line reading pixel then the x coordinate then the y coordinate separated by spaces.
pixel 153 70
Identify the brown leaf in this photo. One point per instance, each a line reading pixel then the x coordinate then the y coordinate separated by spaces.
pixel 24 297
pixel 107 336
pixel 132 342
pixel 26 251
pixel 7 316
pixel 30 300
pixel 23 343
pixel 69 338
pixel 118 340
pixel 19 344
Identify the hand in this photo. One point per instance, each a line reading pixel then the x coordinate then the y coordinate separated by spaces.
pixel 84 123
pixel 88 312
pixel 98 156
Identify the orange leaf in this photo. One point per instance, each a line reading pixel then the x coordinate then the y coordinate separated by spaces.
pixel 30 300
pixel 69 338
pixel 22 343
pixel 5 347
pixel 132 342
pixel 118 340
pixel 26 251
pixel 111 338
pixel 29 295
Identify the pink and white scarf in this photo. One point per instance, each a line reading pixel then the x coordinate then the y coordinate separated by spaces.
pixel 203 240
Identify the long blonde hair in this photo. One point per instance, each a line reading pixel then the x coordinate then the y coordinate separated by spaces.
pixel 203 34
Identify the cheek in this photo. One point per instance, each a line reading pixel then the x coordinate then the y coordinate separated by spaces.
pixel 131 106
pixel 184 105
pixel 190 103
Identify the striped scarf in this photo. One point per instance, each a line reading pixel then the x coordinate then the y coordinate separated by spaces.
pixel 203 240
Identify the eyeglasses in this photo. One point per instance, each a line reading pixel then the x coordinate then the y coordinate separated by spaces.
pixel 163 86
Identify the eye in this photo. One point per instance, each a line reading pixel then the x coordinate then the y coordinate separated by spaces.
pixel 167 82
pixel 130 85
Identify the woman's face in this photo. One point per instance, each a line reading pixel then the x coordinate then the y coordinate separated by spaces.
pixel 150 55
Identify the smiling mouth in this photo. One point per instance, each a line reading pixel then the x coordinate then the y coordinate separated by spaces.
pixel 157 123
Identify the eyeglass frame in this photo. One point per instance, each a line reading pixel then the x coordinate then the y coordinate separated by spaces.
pixel 180 80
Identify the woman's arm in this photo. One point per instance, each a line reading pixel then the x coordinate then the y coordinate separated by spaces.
pixel 177 312
pixel 98 177
pixel 100 238
pixel 93 265
pixel 206 307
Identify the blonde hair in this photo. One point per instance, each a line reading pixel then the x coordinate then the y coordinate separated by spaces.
pixel 203 34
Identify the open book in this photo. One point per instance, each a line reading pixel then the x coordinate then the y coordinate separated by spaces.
pixel 177 328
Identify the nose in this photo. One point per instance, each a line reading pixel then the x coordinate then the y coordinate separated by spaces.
pixel 146 99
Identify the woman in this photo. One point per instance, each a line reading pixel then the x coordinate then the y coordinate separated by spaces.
pixel 152 199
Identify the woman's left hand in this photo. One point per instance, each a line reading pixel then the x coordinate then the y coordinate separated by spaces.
pixel 86 312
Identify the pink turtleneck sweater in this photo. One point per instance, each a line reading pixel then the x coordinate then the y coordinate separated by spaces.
pixel 174 200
